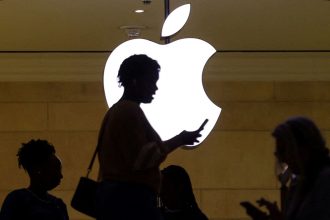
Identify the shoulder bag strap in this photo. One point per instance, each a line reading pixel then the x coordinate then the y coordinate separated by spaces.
pixel 90 166
pixel 89 169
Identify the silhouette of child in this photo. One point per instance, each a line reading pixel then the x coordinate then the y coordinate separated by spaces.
pixel 177 197
pixel 38 159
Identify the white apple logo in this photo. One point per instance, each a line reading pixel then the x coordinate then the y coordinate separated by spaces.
pixel 180 101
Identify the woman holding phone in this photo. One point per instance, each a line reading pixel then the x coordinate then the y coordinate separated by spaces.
pixel 130 150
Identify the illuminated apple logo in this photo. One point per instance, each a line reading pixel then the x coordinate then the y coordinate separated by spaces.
pixel 180 102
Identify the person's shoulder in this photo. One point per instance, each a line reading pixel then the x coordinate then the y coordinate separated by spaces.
pixel 13 202
pixel 17 194
pixel 126 107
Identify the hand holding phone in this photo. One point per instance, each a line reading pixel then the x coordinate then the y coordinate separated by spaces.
pixel 254 211
pixel 191 137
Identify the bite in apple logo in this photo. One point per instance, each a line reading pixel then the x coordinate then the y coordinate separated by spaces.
pixel 180 102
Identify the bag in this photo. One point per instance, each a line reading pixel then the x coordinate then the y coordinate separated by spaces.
pixel 84 198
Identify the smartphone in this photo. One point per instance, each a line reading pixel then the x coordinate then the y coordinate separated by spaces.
pixel 253 211
pixel 203 124
pixel 248 205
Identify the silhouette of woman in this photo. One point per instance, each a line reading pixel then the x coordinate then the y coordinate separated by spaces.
pixel 130 150
pixel 38 158
pixel 177 196
pixel 300 145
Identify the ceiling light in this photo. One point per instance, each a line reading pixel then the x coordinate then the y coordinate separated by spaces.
pixel 139 11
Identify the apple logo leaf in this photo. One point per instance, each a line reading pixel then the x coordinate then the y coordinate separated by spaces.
pixel 176 20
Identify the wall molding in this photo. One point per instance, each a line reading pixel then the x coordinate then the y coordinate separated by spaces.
pixel 235 66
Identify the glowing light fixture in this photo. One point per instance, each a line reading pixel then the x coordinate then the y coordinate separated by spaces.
pixel 139 11
pixel 180 102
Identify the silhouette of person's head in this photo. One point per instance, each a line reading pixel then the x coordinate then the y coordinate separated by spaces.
pixel 176 189
pixel 138 74
pixel 299 144
pixel 38 158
